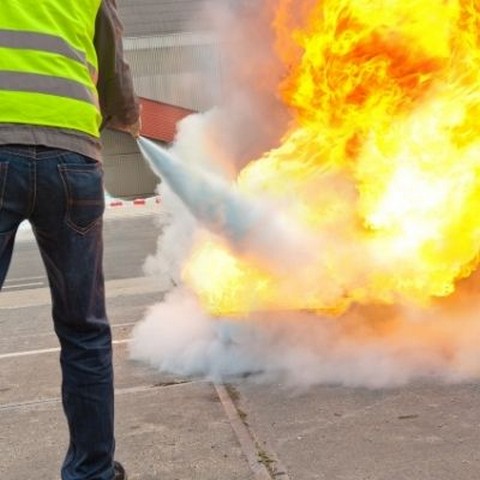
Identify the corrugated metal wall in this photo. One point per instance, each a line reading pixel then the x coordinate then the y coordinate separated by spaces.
pixel 158 17
pixel 182 69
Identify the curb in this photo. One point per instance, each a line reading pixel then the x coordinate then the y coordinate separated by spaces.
pixel 137 202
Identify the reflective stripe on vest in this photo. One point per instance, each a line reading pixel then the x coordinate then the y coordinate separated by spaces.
pixel 32 82
pixel 44 42
pixel 48 64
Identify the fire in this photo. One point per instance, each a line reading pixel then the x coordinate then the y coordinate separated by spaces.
pixel 381 164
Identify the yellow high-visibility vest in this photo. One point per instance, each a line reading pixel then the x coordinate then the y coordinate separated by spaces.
pixel 48 64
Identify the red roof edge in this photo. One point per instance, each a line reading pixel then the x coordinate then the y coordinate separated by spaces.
pixel 159 120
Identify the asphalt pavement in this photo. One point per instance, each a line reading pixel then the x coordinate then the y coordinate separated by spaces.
pixel 171 427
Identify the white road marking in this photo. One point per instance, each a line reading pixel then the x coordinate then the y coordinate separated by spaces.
pixel 36 297
pixel 30 404
pixel 24 285
pixel 45 350
pixel 23 279
pixel 51 334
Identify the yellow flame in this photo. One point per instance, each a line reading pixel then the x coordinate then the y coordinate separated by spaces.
pixel 382 161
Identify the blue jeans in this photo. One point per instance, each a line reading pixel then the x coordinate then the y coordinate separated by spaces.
pixel 61 194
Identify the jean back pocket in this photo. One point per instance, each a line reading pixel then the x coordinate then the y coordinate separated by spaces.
pixel 84 193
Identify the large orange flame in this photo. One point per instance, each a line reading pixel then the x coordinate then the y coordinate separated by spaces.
pixel 381 163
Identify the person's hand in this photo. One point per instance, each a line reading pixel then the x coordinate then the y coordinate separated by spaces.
pixel 135 129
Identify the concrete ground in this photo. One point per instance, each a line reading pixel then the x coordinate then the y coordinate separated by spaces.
pixel 176 428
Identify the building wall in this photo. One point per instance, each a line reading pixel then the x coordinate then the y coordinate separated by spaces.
pixel 143 18
pixel 175 61
pixel 182 69
pixel 126 173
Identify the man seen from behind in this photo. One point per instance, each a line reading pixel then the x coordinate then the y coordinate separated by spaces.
pixel 62 78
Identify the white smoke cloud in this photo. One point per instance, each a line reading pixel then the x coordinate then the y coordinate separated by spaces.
pixel 303 349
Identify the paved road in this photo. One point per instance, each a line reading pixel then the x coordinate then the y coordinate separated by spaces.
pixel 176 428
pixel 128 241
pixel 168 427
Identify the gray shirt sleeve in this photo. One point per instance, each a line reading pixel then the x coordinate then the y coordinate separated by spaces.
pixel 118 102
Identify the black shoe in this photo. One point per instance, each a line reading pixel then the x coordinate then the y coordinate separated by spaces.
pixel 120 473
